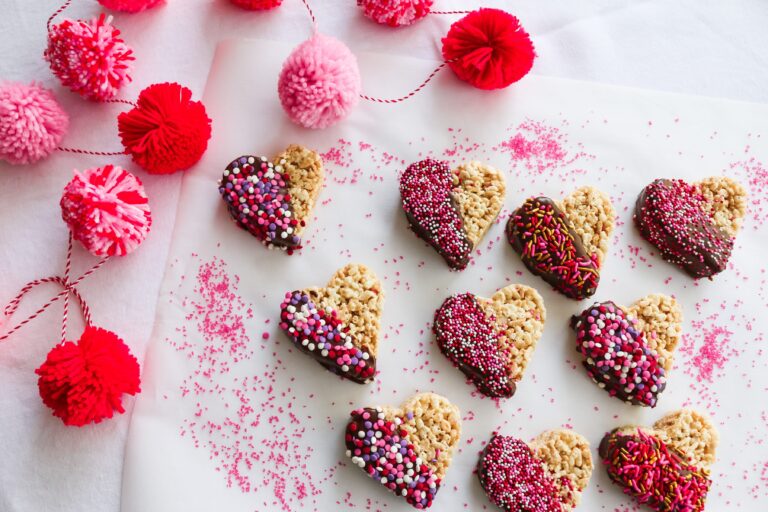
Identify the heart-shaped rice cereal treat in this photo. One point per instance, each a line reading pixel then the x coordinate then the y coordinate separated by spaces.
pixel 694 225
pixel 566 243
pixel 406 449
pixel 451 209
pixel 547 475
pixel 667 467
pixel 338 325
pixel 629 351
pixel 273 201
pixel 491 340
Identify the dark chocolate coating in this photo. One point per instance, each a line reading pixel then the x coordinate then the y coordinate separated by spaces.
pixel 613 384
pixel 692 242
pixel 515 239
pixel 249 224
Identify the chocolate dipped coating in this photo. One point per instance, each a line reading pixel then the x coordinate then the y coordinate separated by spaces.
pixel 468 338
pixel 514 479
pixel 550 248
pixel 258 199
pixel 671 215
pixel 656 474
pixel 380 446
pixel 320 334
pixel 432 212
pixel 616 355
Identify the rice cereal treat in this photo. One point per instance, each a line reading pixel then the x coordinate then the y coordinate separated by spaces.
pixel 564 243
pixel 406 449
pixel 338 325
pixel 491 340
pixel 667 467
pixel 451 209
pixel 547 475
pixel 273 201
pixel 629 351
pixel 693 225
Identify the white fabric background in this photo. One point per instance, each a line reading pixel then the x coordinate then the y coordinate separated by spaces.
pixel 698 47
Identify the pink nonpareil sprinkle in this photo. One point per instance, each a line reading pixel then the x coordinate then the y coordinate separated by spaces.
pixel 241 415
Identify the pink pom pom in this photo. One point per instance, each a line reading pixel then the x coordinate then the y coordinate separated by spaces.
pixel 320 82
pixel 32 123
pixel 106 210
pixel 130 5
pixel 257 5
pixel 89 58
pixel 395 13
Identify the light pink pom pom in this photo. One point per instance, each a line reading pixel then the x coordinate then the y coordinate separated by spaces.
pixel 106 210
pixel 89 57
pixel 130 5
pixel 32 123
pixel 320 82
pixel 395 13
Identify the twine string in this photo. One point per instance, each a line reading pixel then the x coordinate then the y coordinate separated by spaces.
pixel 410 94
pixel 311 15
pixel 56 13
pixel 69 287
pixel 99 153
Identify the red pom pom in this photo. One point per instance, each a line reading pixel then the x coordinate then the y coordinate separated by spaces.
pixel 130 5
pixel 84 382
pixel 166 131
pixel 257 5
pixel 106 210
pixel 395 13
pixel 489 49
pixel 89 58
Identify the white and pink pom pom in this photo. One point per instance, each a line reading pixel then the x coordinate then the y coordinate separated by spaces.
pixel 130 5
pixel 32 123
pixel 89 58
pixel 395 13
pixel 320 82
pixel 106 210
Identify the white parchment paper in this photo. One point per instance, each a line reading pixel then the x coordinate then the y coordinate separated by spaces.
pixel 230 417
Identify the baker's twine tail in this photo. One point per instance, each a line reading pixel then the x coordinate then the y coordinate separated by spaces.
pixel 69 287
pixel 56 13
pixel 410 94
pixel 99 153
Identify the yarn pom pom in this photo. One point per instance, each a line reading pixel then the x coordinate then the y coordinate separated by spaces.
pixel 130 5
pixel 32 123
pixel 84 382
pixel 257 5
pixel 320 82
pixel 106 210
pixel 166 131
pixel 395 13
pixel 489 49
pixel 89 58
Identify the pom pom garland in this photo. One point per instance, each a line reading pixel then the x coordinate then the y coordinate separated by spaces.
pixel 319 84
pixel 257 5
pixel 84 382
pixel 106 210
pixel 89 58
pixel 32 123
pixel 166 131
pixel 395 13
pixel 130 5
pixel 489 49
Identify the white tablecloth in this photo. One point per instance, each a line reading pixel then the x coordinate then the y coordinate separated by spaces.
pixel 694 46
